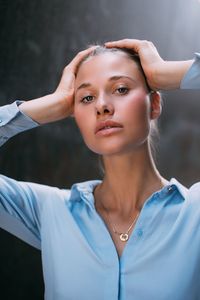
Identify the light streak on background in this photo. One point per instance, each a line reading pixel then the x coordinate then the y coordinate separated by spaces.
pixel 172 25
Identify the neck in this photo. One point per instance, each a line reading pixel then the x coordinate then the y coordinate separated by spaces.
pixel 129 180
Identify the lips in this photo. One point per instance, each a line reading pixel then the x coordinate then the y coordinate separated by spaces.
pixel 106 125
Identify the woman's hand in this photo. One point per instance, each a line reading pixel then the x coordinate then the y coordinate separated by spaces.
pixel 65 89
pixel 160 74
pixel 58 105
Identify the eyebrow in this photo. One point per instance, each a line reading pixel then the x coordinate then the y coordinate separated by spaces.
pixel 113 78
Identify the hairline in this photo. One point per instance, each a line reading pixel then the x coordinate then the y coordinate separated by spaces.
pixel 128 53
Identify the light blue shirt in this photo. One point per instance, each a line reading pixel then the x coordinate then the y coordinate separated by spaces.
pixel 161 260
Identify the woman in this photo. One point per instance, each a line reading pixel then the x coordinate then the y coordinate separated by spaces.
pixel 133 235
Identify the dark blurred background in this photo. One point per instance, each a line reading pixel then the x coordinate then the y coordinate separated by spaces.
pixel 38 38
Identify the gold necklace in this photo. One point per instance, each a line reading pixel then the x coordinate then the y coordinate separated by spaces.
pixel 124 236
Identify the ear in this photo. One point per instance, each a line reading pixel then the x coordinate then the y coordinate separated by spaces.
pixel 155 105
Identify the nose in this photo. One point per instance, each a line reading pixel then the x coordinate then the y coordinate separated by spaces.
pixel 103 106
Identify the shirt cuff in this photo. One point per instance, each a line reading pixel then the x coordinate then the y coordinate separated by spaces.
pixel 191 80
pixel 13 121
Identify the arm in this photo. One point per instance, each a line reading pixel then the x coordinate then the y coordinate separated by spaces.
pixel 160 74
pixel 191 79
pixel 22 204
pixel 23 115
pixel 12 121
pixel 58 105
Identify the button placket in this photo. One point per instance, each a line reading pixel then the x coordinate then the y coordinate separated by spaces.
pixel 139 233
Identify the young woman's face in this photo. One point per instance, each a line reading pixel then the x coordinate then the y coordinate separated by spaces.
pixel 112 106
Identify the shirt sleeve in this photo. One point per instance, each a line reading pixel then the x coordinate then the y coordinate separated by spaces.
pixel 19 213
pixel 191 80
pixel 13 121
pixel 23 205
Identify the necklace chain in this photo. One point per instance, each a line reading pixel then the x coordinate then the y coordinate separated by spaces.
pixel 124 236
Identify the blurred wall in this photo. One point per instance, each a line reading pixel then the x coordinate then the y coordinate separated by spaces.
pixel 38 38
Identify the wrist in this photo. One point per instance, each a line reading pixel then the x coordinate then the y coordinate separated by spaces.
pixel 47 109
pixel 170 74
pixel 63 103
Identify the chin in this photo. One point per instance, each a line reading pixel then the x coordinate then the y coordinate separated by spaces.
pixel 115 149
pixel 117 145
pixel 110 149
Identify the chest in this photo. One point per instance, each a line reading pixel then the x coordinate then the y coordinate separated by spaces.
pixel 121 228
pixel 78 250
pixel 76 262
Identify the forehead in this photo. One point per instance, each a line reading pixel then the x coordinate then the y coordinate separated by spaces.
pixel 106 65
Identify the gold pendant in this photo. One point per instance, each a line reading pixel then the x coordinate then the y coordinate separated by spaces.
pixel 124 237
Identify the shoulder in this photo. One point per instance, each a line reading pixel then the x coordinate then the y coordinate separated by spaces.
pixel 188 193
pixel 12 188
pixel 192 205
pixel 192 201
pixel 194 192
pixel 190 196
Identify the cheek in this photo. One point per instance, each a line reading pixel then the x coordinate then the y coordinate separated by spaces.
pixel 83 120
pixel 137 117
pixel 137 108
pixel 133 112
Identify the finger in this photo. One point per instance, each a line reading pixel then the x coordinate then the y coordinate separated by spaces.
pixel 67 81
pixel 79 57
pixel 69 71
pixel 125 43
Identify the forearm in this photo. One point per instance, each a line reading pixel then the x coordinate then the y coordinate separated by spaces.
pixel 13 121
pixel 46 109
pixel 171 74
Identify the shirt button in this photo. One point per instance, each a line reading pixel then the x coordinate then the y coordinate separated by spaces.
pixel 139 232
pixel 170 189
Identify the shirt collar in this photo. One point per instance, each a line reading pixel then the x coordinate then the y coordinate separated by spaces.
pixel 181 188
pixel 84 190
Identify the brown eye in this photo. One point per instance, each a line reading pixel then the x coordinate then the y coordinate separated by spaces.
pixel 87 99
pixel 122 90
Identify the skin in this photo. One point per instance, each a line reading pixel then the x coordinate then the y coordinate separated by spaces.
pixel 60 104
pixel 160 74
pixel 125 99
pixel 125 158
pixel 126 154
pixel 130 173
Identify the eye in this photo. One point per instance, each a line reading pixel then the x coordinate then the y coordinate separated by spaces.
pixel 122 90
pixel 87 99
